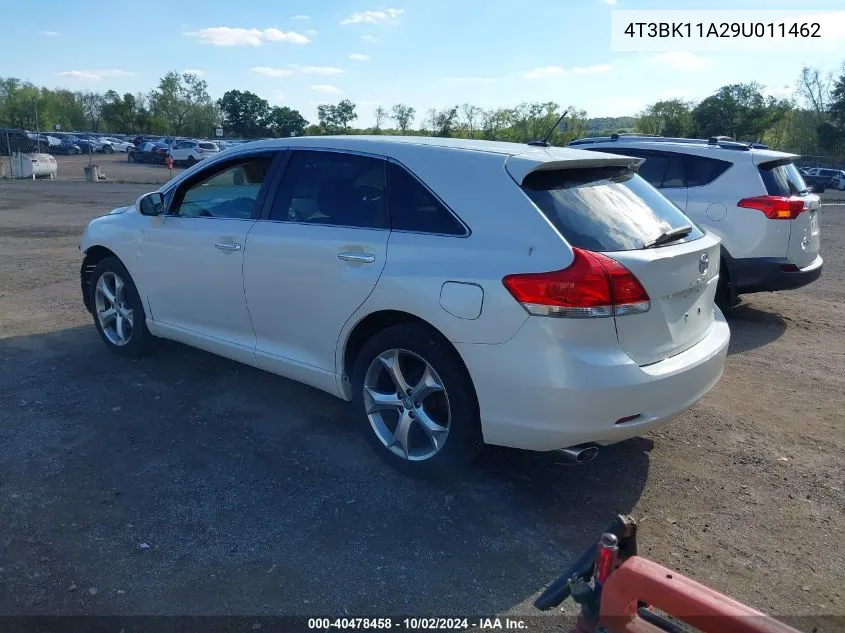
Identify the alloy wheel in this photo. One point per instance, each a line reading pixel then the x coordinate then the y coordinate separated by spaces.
pixel 407 404
pixel 114 312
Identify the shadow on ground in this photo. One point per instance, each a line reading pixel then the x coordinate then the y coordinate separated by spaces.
pixel 255 495
pixel 752 327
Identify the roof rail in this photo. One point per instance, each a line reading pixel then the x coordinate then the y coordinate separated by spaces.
pixel 724 142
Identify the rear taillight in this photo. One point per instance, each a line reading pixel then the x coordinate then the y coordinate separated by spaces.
pixel 594 285
pixel 775 207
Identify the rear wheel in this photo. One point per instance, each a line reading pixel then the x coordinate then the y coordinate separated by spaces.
pixel 191 161
pixel 118 311
pixel 416 401
pixel 108 149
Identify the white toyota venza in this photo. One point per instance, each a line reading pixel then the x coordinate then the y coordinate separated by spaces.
pixel 457 292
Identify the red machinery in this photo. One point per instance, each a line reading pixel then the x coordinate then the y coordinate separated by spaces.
pixel 630 594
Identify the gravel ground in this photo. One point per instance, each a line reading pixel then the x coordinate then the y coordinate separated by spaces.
pixel 255 496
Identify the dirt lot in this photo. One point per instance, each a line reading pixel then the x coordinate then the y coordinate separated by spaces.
pixel 116 168
pixel 256 497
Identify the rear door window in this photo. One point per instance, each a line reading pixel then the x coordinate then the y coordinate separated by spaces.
pixel 605 209
pixel 782 178
pixel 334 188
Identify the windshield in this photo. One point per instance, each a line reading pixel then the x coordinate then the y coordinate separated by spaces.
pixel 605 209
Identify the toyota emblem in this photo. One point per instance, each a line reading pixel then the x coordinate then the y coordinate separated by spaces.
pixel 704 263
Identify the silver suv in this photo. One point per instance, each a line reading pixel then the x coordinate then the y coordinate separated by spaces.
pixel 750 196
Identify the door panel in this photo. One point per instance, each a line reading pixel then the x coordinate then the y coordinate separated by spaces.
pixel 316 259
pixel 194 284
pixel 303 282
pixel 194 255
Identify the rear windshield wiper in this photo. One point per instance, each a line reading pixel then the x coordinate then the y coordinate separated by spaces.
pixel 670 236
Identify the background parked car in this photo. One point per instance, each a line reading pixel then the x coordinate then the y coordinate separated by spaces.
pixel 18 141
pixel 190 152
pixel 117 144
pixel 66 147
pixel 150 152
pixel 817 183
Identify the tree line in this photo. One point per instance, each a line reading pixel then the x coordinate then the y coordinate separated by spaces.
pixel 811 121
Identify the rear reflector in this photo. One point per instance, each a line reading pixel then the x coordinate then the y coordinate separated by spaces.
pixel 789 268
pixel 594 285
pixel 775 207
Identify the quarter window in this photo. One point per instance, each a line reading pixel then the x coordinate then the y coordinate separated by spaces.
pixel 227 193
pixel 332 188
pixel 702 171
pixel 414 208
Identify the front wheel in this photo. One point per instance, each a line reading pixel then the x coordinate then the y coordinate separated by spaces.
pixel 118 311
pixel 108 149
pixel 416 401
pixel 191 161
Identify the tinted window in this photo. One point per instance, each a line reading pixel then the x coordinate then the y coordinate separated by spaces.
pixel 702 171
pixel 662 170
pixel 230 193
pixel 605 209
pixel 332 188
pixel 207 146
pixel 782 179
pixel 414 208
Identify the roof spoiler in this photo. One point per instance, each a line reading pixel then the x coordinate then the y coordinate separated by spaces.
pixel 520 166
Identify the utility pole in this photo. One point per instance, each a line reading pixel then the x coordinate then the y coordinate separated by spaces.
pixel 37 132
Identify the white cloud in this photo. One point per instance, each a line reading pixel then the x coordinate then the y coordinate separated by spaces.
pixel 236 36
pixel 681 60
pixel 609 1
pixel 95 74
pixel 359 57
pixel 545 72
pixel 194 71
pixel 320 70
pixel 385 16
pixel 470 80
pixel 326 89
pixel 300 17
pixel 50 33
pixel 589 70
pixel 370 39
pixel 270 72
pixel 779 92
pixel 311 32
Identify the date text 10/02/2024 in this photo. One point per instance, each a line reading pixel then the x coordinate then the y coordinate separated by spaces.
pixel 722 30
pixel 417 624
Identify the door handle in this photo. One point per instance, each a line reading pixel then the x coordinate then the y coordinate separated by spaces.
pixel 227 246
pixel 363 258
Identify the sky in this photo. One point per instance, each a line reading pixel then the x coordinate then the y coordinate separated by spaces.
pixel 426 53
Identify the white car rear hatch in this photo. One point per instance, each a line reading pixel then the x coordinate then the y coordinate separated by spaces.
pixel 632 249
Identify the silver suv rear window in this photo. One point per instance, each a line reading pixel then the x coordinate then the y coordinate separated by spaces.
pixel 208 146
pixel 782 178
pixel 605 209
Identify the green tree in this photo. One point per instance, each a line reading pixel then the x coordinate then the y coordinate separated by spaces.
pixel 92 106
pixel 284 121
pixel 403 115
pixel 670 117
pixel 244 113
pixel 181 101
pixel 740 111
pixel 334 119
pixel 380 115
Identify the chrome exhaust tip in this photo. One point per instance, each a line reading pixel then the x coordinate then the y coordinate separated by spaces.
pixel 580 454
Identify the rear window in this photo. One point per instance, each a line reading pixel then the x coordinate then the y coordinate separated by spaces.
pixel 782 179
pixel 605 209
pixel 208 146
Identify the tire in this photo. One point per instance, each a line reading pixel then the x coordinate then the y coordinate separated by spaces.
pixel 453 407
pixel 725 296
pixel 135 340
pixel 108 149
pixel 191 161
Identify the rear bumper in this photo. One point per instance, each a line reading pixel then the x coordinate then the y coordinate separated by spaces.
pixel 765 274
pixel 538 392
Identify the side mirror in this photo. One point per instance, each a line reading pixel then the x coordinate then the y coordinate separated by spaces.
pixel 151 203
